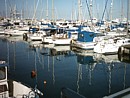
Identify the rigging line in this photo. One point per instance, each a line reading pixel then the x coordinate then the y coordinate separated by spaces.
pixel 42 10
pixel 35 10
pixel 89 11
pixel 104 10
pixel 90 15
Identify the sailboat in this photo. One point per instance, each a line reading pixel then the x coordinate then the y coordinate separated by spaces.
pixel 111 46
pixel 84 41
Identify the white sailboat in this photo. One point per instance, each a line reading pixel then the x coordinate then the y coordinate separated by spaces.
pixel 110 46
pixel 37 36
pixel 59 39
pixel 16 32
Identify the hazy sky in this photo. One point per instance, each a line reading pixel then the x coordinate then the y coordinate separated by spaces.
pixel 65 9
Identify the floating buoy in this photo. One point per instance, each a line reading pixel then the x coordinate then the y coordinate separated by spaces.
pixel 45 82
pixel 33 74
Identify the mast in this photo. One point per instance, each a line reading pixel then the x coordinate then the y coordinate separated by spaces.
pixel 122 10
pixel 91 11
pixel 79 11
pixel 52 10
pixel 6 8
pixel 127 15
pixel 111 9
pixel 47 11
pixel 35 9
pixel 72 14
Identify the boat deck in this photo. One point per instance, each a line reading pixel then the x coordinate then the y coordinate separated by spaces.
pixel 121 94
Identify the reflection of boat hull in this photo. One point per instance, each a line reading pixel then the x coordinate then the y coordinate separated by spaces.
pixel 82 51
pixel 62 48
pixel 15 38
pixel 106 58
pixel 35 44
pixel 85 59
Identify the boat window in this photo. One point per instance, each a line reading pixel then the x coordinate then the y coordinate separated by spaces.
pixel 64 24
pixel 91 35
pixel 3 88
pixel 81 35
pixel 2 73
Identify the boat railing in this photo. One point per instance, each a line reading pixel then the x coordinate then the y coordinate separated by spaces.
pixel 68 93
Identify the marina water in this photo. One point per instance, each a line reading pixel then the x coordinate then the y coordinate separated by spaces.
pixel 91 75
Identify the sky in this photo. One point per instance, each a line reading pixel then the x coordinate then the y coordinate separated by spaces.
pixel 64 9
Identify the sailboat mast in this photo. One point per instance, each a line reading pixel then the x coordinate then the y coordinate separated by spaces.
pixel 52 10
pixel 122 10
pixel 127 15
pixel 72 14
pixel 91 1
pixel 47 10
pixel 6 8
pixel 111 9
pixel 79 10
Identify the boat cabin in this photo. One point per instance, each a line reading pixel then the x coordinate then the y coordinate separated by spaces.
pixel 86 36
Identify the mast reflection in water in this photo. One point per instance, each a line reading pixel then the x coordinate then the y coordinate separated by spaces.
pixel 92 76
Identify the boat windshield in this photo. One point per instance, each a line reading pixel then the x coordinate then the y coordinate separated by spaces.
pixel 2 73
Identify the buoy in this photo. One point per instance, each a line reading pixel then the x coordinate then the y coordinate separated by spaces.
pixel 33 74
pixel 45 82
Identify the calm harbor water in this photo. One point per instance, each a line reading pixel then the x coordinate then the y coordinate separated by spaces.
pixel 93 76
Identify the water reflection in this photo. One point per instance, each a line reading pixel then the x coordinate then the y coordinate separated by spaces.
pixel 89 74
pixel 90 64
pixel 114 69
